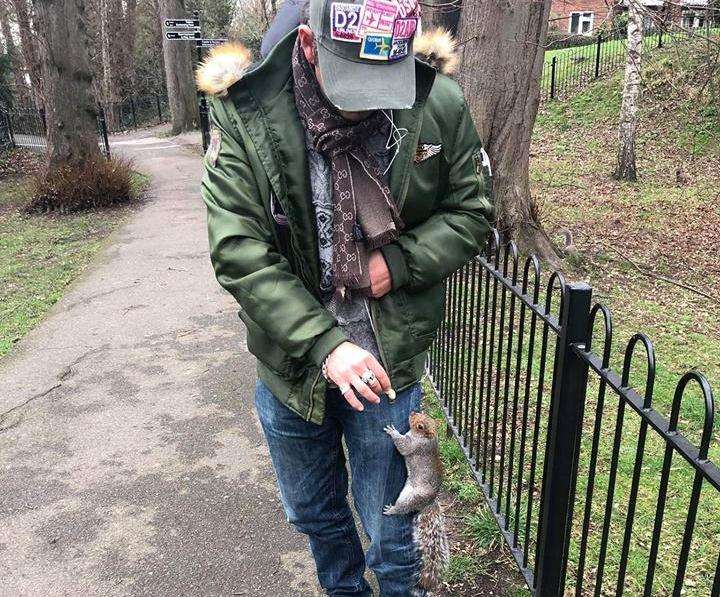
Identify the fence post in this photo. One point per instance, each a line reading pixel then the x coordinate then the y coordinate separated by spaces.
pixel 104 132
pixel 157 102
pixel 598 50
pixel 553 68
pixel 204 120
pixel 11 133
pixel 660 40
pixel 132 108
pixel 563 443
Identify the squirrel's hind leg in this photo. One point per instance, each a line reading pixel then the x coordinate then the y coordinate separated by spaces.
pixel 410 500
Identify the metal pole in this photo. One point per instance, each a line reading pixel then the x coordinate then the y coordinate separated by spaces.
pixel 660 39
pixel 553 68
pixel 104 131
pixel 11 133
pixel 563 444
pixel 597 55
pixel 157 102
pixel 132 108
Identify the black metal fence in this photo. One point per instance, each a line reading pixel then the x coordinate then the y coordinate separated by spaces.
pixel 137 111
pixel 567 70
pixel 594 490
pixel 27 128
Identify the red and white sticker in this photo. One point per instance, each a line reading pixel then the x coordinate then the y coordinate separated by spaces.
pixel 378 16
pixel 345 21
pixel 408 8
pixel 405 28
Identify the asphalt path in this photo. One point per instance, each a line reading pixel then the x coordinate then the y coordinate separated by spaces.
pixel 131 461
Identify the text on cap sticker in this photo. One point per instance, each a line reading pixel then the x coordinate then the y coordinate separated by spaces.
pixel 376 46
pixel 345 21
pixel 378 16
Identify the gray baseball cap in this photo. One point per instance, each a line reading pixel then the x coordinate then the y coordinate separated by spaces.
pixel 365 52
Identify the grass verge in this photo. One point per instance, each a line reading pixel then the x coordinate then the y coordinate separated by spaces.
pixel 40 255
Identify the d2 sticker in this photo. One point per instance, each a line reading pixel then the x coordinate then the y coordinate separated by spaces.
pixel 405 28
pixel 399 49
pixel 376 46
pixel 378 16
pixel 345 21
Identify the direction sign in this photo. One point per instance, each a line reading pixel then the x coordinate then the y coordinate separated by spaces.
pixel 182 24
pixel 182 35
pixel 209 43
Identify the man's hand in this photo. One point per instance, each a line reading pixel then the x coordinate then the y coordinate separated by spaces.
pixel 380 279
pixel 347 364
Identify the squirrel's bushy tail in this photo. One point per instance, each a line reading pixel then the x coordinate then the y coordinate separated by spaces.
pixel 431 538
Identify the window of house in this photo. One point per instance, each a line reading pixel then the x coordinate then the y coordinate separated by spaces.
pixel 581 22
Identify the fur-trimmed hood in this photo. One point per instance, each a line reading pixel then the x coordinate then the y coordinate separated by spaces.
pixel 226 64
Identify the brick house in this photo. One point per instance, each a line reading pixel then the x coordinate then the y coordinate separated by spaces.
pixel 586 17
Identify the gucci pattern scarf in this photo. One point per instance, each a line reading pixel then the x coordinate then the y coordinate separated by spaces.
pixel 365 216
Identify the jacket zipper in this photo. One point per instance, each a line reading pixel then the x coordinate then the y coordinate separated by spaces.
pixel 383 359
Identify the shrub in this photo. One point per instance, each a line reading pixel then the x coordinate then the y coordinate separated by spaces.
pixel 96 183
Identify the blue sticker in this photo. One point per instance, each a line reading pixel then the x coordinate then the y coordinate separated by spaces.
pixel 376 46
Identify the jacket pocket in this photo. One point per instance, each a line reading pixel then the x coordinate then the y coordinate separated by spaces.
pixel 268 352
pixel 423 310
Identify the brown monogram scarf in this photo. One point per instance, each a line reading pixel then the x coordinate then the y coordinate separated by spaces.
pixel 364 214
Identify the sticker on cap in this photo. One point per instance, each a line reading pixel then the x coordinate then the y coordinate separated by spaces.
pixel 404 28
pixel 408 8
pixel 378 16
pixel 345 21
pixel 376 46
pixel 399 49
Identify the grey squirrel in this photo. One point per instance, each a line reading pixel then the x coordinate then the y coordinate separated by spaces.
pixel 419 446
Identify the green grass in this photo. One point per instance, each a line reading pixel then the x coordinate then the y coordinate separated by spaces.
pixel 40 256
pixel 669 230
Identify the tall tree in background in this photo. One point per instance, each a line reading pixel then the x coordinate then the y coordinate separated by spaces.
pixel 14 60
pixel 626 168
pixel 29 50
pixel 67 82
pixel 500 74
pixel 178 72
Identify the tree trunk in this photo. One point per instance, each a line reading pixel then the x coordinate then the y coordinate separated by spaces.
pixel 626 168
pixel 179 73
pixel 11 51
pixel 72 134
pixel 29 51
pixel 500 74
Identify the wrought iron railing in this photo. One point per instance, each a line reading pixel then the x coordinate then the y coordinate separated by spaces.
pixel 531 404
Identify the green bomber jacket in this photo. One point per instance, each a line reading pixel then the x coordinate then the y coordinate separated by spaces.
pixel 257 163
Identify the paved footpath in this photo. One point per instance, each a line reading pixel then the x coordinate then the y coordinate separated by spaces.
pixel 131 462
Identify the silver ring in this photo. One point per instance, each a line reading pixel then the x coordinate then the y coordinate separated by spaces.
pixel 344 388
pixel 368 378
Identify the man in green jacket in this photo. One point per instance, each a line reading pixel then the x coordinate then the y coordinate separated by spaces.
pixel 345 181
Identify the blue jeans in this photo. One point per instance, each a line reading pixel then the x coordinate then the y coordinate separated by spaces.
pixel 309 461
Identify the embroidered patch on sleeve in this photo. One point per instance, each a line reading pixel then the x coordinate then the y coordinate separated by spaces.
pixel 213 150
pixel 425 151
pixel 376 46
pixel 345 20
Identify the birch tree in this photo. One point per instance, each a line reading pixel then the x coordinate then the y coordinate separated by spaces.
pixel 626 168
pixel 500 73
pixel 29 49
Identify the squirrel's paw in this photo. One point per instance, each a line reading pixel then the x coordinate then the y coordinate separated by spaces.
pixel 389 510
pixel 390 429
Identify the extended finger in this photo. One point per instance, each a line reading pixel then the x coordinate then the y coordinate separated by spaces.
pixel 352 400
pixel 362 388
pixel 380 373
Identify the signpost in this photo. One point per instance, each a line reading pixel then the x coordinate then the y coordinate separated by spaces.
pixel 209 43
pixel 189 30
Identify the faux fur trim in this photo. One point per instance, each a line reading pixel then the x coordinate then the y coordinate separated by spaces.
pixel 438 48
pixel 224 65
